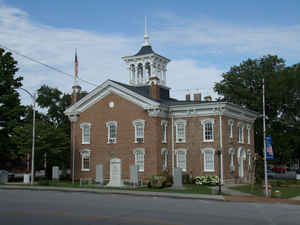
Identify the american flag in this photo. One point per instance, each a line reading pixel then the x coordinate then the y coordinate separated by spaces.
pixel 76 65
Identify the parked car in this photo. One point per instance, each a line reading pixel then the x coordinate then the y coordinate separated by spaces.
pixel 279 169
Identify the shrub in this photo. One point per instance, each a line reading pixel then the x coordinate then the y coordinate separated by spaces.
pixel 187 178
pixel 206 180
pixel 157 181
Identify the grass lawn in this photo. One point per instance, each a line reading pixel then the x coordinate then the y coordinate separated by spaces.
pixel 287 188
pixel 190 188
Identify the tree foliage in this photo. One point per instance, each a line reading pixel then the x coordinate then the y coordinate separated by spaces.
pixel 243 85
pixel 10 108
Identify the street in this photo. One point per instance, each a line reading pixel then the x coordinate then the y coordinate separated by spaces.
pixel 22 207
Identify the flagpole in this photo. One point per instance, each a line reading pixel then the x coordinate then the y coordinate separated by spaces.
pixel 265 150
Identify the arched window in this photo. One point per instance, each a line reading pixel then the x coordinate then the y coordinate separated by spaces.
pixel 85 159
pixel 140 72
pixel 209 159
pixel 240 132
pixel 208 130
pixel 112 132
pixel 139 158
pixel 147 70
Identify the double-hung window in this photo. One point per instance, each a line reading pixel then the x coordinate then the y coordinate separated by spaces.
pixel 85 160
pixel 209 159
pixel 180 131
pixel 139 158
pixel 249 159
pixel 139 126
pixel 231 155
pixel 112 132
pixel 248 133
pixel 164 124
pixel 230 128
pixel 208 130
pixel 164 158
pixel 240 133
pixel 181 158
pixel 86 133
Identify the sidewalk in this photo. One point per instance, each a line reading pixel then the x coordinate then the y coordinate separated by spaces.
pixel 236 197
pixel 116 191
pixel 226 189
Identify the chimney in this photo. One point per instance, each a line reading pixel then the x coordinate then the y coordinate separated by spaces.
pixel 197 97
pixel 76 94
pixel 154 88
pixel 188 97
pixel 208 98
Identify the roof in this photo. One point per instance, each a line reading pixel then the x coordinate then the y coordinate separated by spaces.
pixel 145 50
pixel 164 98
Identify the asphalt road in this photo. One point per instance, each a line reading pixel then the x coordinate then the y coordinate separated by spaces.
pixel 46 207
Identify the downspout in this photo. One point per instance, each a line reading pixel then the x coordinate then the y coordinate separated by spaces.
pixel 221 143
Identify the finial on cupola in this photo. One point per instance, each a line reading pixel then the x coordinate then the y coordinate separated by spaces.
pixel 146 37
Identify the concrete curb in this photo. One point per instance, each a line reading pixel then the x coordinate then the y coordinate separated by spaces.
pixel 118 192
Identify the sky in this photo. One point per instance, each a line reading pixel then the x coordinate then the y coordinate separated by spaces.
pixel 203 39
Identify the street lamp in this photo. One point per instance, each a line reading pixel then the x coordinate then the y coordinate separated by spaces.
pixel 33 96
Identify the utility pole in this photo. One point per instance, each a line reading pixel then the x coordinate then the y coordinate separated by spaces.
pixel 264 131
pixel 33 96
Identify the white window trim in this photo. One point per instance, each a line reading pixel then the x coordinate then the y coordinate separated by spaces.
pixel 139 150
pixel 177 122
pixel 83 153
pixel 231 159
pixel 241 154
pixel 205 150
pixel 88 126
pixel 134 123
pixel 249 158
pixel 164 151
pixel 205 121
pixel 248 134
pixel 177 159
pixel 109 139
pixel 164 123
pixel 242 126
pixel 230 124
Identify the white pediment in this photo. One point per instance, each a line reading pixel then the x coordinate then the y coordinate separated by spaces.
pixel 104 90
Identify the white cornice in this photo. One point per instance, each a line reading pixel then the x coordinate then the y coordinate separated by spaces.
pixel 105 89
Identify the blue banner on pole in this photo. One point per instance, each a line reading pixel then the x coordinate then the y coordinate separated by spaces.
pixel 270 153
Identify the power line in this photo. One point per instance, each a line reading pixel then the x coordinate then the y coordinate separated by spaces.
pixel 83 80
pixel 46 65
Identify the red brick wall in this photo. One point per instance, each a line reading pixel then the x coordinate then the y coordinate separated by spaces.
pixel 125 112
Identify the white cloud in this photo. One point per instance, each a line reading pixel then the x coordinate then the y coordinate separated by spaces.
pixel 219 36
pixel 100 54
pixel 186 74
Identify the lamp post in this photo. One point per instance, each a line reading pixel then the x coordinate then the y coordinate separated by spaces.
pixel 33 96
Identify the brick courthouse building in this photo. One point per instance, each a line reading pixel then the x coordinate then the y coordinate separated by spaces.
pixel 140 123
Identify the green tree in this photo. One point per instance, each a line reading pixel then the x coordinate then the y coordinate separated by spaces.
pixel 243 85
pixel 10 108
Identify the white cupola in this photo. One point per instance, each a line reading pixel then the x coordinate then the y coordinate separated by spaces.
pixel 145 64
